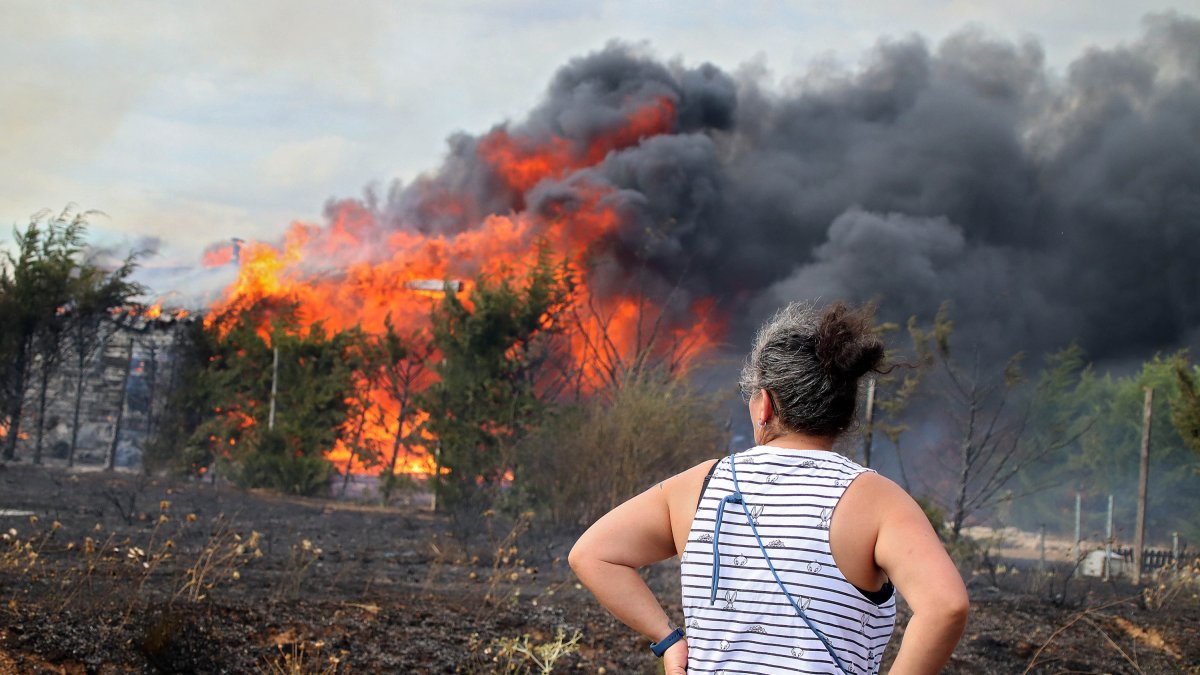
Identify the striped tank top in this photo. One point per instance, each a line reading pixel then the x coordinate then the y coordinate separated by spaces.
pixel 753 627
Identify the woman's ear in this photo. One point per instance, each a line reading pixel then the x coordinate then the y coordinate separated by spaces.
pixel 767 411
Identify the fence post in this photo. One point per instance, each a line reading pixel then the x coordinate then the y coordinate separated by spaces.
pixel 1175 550
pixel 1042 548
pixel 1108 540
pixel 1075 548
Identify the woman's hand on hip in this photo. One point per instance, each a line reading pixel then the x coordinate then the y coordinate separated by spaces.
pixel 675 659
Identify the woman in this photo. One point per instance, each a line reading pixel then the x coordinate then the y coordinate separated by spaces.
pixel 789 552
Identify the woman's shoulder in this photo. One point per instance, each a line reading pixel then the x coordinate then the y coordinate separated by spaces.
pixel 873 498
pixel 691 478
pixel 685 486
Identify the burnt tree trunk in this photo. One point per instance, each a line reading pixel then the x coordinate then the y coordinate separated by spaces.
pixel 967 457
pixel 399 441
pixel 14 426
pixel 79 384
pixel 152 373
pixel 116 437
pixel 362 421
pixel 43 385
pixel 16 405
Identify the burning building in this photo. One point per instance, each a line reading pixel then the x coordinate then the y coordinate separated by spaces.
pixel 694 201
pixel 126 385
pixel 689 202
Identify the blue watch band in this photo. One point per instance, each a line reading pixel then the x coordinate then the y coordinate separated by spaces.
pixel 659 648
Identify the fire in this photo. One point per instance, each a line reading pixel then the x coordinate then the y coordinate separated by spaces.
pixel 355 272
pixel 523 162
pixel 219 255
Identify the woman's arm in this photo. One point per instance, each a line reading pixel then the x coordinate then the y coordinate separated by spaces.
pixel 635 534
pixel 913 557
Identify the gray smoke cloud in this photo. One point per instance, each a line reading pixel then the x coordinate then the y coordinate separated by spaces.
pixel 1046 207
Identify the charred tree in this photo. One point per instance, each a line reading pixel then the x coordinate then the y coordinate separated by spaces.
pixel 995 414
pixel 50 352
pixel 111 463
pixel 399 366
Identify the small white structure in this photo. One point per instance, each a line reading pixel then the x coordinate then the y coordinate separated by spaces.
pixel 1093 565
pixel 434 285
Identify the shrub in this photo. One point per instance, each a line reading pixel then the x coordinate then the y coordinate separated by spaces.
pixel 588 458
pixel 272 463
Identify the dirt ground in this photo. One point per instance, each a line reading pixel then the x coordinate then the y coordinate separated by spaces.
pixel 120 573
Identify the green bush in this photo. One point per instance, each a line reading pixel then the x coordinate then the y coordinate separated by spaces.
pixel 272 464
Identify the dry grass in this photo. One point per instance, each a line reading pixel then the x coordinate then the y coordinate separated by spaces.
pixel 588 459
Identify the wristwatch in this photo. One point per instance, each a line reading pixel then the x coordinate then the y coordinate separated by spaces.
pixel 659 648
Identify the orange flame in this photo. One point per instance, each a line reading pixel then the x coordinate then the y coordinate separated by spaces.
pixel 218 255
pixel 382 272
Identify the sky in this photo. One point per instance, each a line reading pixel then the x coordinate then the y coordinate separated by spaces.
pixel 194 122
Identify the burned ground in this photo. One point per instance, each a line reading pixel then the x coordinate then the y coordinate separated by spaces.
pixel 118 573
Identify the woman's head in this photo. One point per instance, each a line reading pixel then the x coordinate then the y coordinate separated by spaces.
pixel 809 361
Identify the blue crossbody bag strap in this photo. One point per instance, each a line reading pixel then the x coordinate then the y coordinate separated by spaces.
pixel 736 498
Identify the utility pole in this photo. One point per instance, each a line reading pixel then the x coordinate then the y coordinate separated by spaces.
pixel 870 420
pixel 1139 536
pixel 1108 541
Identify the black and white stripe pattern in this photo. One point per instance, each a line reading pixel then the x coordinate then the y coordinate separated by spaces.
pixel 752 627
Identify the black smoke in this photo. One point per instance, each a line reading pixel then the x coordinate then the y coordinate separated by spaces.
pixel 1045 206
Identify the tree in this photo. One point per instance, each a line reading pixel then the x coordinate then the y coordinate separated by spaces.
pixel 894 391
pixel 94 292
pixel 35 282
pixel 315 381
pixel 1185 408
pixel 173 445
pixel 999 427
pixel 490 349
pixel 1104 460
pixel 397 365
pixel 604 355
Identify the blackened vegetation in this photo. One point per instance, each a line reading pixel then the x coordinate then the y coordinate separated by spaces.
pixel 391 590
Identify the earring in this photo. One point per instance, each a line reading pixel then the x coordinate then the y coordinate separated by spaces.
pixel 762 423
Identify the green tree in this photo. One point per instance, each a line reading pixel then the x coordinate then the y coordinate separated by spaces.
pixel 490 349
pixel 1105 459
pixel 1185 408
pixel 314 381
pixel 35 288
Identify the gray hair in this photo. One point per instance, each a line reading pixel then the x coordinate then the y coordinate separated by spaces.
pixel 810 361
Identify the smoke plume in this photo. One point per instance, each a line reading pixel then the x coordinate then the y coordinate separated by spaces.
pixel 1045 206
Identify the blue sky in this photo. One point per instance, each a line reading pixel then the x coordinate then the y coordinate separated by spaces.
pixel 199 121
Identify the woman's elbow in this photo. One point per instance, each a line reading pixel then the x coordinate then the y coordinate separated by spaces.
pixel 580 554
pixel 956 607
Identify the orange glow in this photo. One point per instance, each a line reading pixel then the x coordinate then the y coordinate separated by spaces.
pixel 218 256
pixel 355 272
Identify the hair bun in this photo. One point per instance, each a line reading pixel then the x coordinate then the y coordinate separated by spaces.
pixel 846 345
